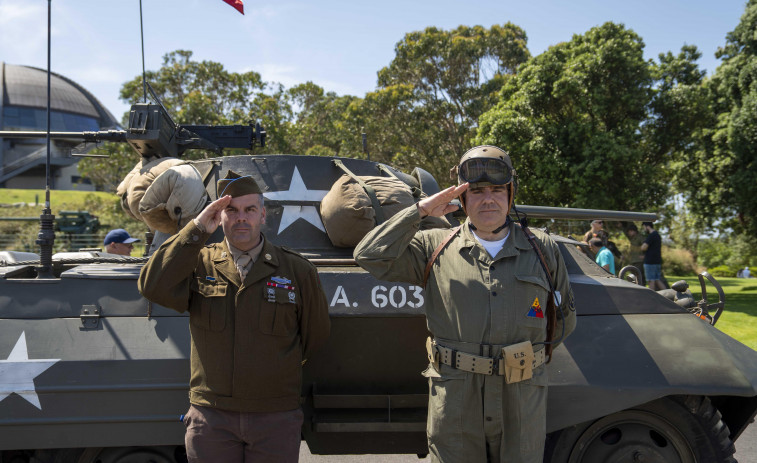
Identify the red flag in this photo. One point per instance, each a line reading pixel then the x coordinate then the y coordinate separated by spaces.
pixel 236 4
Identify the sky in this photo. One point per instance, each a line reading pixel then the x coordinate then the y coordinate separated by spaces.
pixel 337 44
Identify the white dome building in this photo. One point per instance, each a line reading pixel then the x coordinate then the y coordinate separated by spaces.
pixel 23 106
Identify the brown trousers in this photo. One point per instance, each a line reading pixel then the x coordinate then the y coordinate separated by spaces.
pixel 215 435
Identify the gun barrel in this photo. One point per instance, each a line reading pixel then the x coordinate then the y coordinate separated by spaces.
pixel 92 137
pixel 543 212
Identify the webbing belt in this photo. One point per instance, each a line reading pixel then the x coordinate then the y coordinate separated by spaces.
pixel 476 363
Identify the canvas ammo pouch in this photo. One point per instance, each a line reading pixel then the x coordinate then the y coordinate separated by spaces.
pixel 518 362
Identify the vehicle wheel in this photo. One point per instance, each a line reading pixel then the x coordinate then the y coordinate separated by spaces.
pixel 164 454
pixel 686 429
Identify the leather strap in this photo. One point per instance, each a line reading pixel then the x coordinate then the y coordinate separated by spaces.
pixel 551 308
pixel 438 249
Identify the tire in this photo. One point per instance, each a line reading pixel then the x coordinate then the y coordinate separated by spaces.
pixel 165 454
pixel 676 429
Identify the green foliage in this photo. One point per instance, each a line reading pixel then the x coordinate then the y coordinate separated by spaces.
pixel 677 261
pixel 432 94
pixel 733 252
pixel 321 123
pixel 720 178
pixel 575 120
pixel 722 271
pixel 713 252
pixel 685 229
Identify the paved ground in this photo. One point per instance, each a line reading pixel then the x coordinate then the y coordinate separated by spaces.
pixel 746 445
pixel 746 452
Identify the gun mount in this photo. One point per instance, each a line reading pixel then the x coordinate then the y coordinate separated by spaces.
pixel 153 133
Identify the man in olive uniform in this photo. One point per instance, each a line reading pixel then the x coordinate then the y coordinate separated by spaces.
pixel 256 314
pixel 487 296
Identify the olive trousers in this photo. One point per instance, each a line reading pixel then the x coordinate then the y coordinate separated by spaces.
pixel 215 435
pixel 475 417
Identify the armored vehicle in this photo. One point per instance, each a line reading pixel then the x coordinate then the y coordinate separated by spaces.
pixel 90 371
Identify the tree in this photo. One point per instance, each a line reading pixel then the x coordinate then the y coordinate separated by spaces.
pixel 196 93
pixel 586 125
pixel 431 95
pixel 719 179
pixel 319 125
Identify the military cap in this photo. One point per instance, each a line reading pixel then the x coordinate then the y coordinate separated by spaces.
pixel 237 185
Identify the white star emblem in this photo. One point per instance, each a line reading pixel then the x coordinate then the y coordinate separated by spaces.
pixel 18 372
pixel 298 192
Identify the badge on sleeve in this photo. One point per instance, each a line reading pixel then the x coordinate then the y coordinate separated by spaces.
pixel 535 311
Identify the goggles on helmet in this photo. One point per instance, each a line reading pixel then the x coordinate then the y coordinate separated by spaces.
pixel 494 171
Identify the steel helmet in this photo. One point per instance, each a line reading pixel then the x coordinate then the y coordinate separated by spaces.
pixel 486 165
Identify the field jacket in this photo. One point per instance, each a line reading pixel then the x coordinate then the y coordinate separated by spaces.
pixel 249 339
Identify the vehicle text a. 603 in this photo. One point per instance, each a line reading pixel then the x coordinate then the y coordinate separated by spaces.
pixel 396 296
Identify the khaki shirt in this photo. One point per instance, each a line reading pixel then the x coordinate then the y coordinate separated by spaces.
pixel 471 296
pixel 249 339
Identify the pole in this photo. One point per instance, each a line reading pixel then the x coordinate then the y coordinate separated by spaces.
pixel 142 37
pixel 46 235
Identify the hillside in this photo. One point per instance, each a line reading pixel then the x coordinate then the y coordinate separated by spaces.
pixel 19 235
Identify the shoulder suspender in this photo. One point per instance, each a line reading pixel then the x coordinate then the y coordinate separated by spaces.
pixel 551 307
pixel 438 249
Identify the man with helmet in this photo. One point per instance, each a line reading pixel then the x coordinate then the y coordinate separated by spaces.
pixel 498 301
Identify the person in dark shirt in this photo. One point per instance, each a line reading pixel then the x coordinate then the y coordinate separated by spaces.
pixel 652 247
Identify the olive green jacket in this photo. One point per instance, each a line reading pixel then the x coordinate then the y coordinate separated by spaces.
pixel 249 339
pixel 471 296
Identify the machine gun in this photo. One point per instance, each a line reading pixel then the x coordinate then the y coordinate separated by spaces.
pixel 153 133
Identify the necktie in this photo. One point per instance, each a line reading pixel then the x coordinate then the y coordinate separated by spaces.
pixel 242 263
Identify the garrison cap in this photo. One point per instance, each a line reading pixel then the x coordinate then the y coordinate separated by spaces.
pixel 237 185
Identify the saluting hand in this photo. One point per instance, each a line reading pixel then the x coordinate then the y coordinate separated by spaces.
pixel 439 204
pixel 210 217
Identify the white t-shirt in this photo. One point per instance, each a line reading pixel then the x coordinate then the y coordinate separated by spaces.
pixel 492 247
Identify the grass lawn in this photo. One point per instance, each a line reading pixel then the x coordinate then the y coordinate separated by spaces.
pixel 20 235
pixel 59 199
pixel 739 319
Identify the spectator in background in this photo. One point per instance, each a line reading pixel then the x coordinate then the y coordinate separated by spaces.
pixel 652 247
pixel 119 241
pixel 597 231
pixel 635 254
pixel 604 257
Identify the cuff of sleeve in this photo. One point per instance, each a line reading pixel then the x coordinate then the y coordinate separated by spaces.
pixel 413 215
pixel 193 233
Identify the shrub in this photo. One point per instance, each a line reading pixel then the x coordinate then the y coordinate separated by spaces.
pixel 678 261
pixel 721 271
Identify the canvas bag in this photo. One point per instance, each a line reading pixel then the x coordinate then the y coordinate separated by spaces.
pixel 174 198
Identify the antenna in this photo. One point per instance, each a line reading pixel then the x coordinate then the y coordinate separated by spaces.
pixel 365 143
pixel 46 235
pixel 142 37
